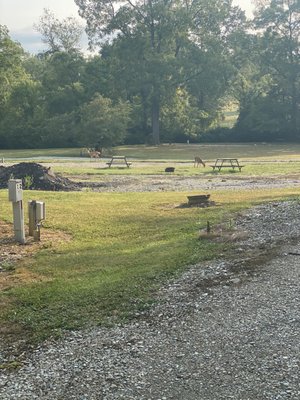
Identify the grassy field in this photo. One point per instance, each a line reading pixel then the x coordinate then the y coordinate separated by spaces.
pixel 254 168
pixel 183 152
pixel 259 159
pixel 121 247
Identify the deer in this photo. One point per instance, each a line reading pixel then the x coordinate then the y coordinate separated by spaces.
pixel 94 153
pixel 198 161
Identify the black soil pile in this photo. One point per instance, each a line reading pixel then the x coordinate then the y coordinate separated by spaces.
pixel 36 177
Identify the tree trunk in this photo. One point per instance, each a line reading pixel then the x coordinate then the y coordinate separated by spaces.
pixel 294 111
pixel 145 112
pixel 155 119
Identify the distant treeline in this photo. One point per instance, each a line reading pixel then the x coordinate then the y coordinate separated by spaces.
pixel 162 72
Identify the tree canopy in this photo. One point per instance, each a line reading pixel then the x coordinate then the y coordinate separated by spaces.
pixel 161 71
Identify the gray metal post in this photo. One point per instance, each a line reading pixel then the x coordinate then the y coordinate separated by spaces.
pixel 32 217
pixel 15 195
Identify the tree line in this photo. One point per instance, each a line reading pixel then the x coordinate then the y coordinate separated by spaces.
pixel 161 71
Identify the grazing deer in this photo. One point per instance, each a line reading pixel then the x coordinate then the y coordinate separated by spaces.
pixel 93 153
pixel 198 161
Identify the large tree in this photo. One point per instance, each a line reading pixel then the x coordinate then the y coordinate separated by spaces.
pixel 11 68
pixel 151 35
pixel 18 93
pixel 59 35
pixel 278 28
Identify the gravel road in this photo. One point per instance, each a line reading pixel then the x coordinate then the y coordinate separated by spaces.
pixel 158 183
pixel 223 330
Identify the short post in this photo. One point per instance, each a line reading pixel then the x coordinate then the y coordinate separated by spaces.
pixel 36 212
pixel 15 195
pixel 31 215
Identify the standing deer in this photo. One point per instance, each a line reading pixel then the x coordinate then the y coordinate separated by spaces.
pixel 93 153
pixel 198 161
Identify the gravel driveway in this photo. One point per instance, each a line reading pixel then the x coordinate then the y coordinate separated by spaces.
pixel 223 330
pixel 158 183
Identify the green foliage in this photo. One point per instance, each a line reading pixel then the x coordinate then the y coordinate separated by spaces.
pixel 164 72
pixel 161 46
pixel 27 182
pixel 181 118
pixel 59 35
pixel 11 69
pixel 270 105
pixel 16 89
pixel 103 123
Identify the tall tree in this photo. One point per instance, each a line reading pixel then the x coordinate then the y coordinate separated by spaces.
pixel 18 92
pixel 279 22
pixel 59 35
pixel 11 59
pixel 149 31
pixel 152 34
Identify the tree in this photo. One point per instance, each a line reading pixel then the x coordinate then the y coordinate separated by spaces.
pixel 151 35
pixel 11 69
pixel 146 30
pixel 279 22
pixel 59 35
pixel 61 81
pixel 182 119
pixel 18 93
pixel 103 124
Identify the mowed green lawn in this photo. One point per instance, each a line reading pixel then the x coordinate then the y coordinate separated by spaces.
pixel 93 171
pixel 180 152
pixel 258 160
pixel 122 246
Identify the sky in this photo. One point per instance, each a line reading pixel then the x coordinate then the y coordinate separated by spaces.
pixel 20 16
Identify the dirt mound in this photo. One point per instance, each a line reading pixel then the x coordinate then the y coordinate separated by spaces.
pixel 36 177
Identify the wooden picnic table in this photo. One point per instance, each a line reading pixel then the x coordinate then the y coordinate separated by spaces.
pixel 232 163
pixel 118 160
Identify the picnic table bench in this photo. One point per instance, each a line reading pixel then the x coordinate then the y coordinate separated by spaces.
pixel 118 160
pixel 227 163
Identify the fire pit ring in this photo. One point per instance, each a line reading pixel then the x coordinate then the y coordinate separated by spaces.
pixel 198 200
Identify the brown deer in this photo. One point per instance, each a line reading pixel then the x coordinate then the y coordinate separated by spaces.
pixel 93 153
pixel 198 161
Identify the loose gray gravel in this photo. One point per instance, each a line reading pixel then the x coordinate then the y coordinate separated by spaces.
pixel 228 329
pixel 160 183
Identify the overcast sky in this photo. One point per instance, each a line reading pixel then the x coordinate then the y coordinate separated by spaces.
pixel 20 16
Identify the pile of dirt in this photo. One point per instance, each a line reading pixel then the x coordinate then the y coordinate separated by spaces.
pixel 36 177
